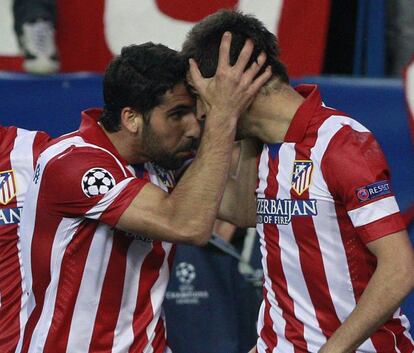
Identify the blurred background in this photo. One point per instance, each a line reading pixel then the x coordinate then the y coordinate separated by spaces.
pixel 53 53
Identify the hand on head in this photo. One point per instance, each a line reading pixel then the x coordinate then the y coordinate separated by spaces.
pixel 231 90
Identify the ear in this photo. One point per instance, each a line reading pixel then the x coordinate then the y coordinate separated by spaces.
pixel 131 120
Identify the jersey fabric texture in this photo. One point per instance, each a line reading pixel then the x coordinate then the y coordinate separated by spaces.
pixel 91 287
pixel 19 149
pixel 322 195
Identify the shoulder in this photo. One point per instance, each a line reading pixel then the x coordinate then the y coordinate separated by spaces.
pixel 69 161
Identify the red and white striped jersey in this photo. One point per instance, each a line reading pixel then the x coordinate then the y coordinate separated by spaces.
pixel 19 149
pixel 91 287
pixel 322 195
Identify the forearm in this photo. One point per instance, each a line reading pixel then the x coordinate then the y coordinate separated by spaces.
pixel 384 293
pixel 197 196
pixel 239 202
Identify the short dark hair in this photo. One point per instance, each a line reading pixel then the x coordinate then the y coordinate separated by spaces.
pixel 138 78
pixel 203 41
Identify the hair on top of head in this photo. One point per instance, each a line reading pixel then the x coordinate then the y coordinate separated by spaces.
pixel 139 78
pixel 203 41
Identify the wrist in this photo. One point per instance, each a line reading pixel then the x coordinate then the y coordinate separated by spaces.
pixel 220 117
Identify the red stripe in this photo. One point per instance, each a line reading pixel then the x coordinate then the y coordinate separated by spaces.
pixel 110 301
pixel 310 256
pixel 10 275
pixel 403 343
pixel 143 315
pixel 362 263
pixel 159 343
pixel 294 328
pixel 70 278
pixel 42 241
pixel 268 336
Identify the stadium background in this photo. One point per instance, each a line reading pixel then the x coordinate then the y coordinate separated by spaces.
pixel 90 33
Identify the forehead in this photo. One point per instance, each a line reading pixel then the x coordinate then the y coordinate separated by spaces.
pixel 178 95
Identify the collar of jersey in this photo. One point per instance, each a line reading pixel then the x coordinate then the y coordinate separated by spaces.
pixel 304 114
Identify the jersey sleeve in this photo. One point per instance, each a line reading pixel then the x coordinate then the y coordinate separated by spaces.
pixel 88 183
pixel 358 177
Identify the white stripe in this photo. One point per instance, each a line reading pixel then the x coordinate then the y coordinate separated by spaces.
pixel 59 245
pixel 124 334
pixel 21 159
pixel 268 11
pixel 78 142
pixel 86 306
pixel 290 257
pixel 275 313
pixel 410 88
pixel 327 227
pixel 261 346
pixel 63 236
pixel 328 130
pixel 373 211
pixel 406 324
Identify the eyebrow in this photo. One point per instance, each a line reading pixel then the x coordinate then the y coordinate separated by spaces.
pixel 179 108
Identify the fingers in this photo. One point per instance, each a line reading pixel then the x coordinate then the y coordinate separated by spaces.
pixel 244 55
pixel 224 51
pixel 255 67
pixel 260 81
pixel 195 74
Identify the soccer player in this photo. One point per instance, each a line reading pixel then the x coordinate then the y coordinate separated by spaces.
pixel 96 234
pixel 19 150
pixel 336 256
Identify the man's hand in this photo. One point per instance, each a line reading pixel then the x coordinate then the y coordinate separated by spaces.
pixel 231 90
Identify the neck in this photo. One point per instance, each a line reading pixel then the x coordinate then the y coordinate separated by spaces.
pixel 271 113
pixel 128 146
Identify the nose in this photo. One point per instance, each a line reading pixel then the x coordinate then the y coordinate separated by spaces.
pixel 193 126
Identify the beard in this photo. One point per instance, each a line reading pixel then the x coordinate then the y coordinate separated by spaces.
pixel 160 154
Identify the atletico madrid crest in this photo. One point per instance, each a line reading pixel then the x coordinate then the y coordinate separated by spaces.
pixel 302 174
pixel 7 187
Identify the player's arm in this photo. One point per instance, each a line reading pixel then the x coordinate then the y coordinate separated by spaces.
pixel 188 213
pixel 391 282
pixel 354 165
pixel 239 201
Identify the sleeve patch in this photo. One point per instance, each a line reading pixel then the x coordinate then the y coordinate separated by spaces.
pixel 373 191
pixel 97 181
